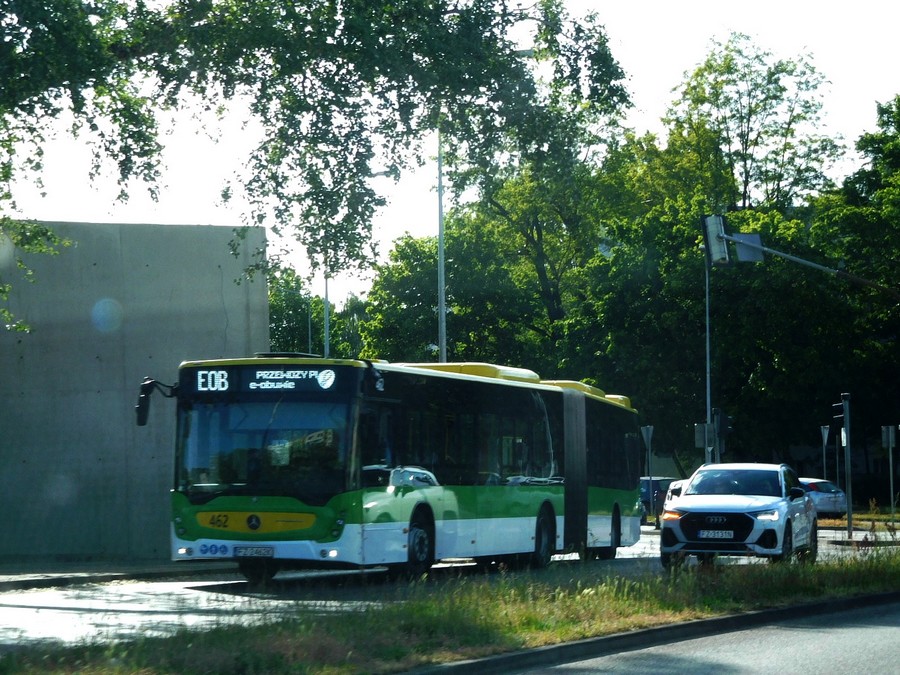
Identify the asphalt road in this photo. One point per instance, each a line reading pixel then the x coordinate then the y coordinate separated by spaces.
pixel 860 640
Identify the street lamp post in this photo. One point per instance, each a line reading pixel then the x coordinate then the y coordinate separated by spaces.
pixel 327 318
pixel 442 289
pixel 708 371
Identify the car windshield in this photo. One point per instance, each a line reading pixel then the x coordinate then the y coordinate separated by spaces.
pixel 826 486
pixel 751 482
pixel 659 485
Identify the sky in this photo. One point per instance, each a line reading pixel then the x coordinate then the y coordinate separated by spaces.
pixel 656 43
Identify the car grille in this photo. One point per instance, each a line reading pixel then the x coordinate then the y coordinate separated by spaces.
pixel 739 523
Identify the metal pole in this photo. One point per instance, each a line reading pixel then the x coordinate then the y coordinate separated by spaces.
pixel 787 256
pixel 442 302
pixel 327 322
pixel 708 386
pixel 647 433
pixel 887 439
pixel 845 399
pixel 837 459
pixel 891 466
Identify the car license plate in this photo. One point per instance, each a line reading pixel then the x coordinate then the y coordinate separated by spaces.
pixel 717 534
pixel 254 551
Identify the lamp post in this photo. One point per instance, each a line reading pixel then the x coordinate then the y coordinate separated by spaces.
pixel 442 287
pixel 708 370
pixel 327 318
pixel 309 326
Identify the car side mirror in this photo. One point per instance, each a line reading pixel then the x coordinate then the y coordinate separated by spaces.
pixel 796 493
pixel 675 491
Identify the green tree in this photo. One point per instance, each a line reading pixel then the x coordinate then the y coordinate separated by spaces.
pixel 758 117
pixel 858 227
pixel 740 136
pixel 346 328
pixel 487 313
pixel 295 316
pixel 536 199
pixel 638 326
pixel 342 91
pixel 17 238
pixel 402 314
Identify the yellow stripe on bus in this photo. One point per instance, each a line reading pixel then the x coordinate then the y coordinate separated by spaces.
pixel 255 522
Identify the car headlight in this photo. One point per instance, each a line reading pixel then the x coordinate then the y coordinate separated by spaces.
pixel 771 516
pixel 671 515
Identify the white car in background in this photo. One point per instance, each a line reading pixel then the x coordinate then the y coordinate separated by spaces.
pixel 739 509
pixel 830 500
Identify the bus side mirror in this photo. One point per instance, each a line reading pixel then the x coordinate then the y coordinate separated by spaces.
pixel 142 409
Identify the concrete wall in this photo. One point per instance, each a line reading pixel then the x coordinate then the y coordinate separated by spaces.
pixel 80 479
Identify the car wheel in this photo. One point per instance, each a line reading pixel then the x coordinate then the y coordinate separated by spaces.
pixel 811 552
pixel 671 561
pixel 787 546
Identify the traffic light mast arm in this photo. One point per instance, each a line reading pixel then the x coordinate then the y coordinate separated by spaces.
pixel 787 256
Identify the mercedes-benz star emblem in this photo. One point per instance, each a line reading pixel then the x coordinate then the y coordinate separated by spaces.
pixel 253 522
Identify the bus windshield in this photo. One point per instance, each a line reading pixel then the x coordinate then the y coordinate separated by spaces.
pixel 266 447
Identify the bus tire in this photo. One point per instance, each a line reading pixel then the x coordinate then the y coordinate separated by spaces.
pixel 258 572
pixel 609 552
pixel 420 546
pixel 543 540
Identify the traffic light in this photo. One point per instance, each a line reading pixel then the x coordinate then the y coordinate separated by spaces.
pixel 714 240
pixel 840 413
pixel 724 425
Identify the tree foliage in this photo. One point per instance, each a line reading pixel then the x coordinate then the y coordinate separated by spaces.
pixel 617 236
pixel 341 91
pixel 858 227
pixel 295 315
pixel 488 313
pixel 758 117
pixel 402 324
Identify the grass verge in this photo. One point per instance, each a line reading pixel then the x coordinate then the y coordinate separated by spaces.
pixel 473 616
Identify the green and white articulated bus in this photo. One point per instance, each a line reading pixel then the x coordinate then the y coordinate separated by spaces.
pixel 292 460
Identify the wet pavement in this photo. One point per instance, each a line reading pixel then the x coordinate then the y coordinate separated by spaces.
pixel 77 602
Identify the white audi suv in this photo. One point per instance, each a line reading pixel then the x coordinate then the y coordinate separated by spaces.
pixel 739 509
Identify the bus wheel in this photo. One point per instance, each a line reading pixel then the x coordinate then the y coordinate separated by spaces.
pixel 543 540
pixel 420 545
pixel 609 552
pixel 258 572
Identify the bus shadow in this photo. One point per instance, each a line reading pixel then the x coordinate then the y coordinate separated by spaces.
pixel 378 585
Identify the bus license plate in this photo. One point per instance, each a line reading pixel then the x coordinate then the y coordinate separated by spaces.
pixel 717 534
pixel 254 551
